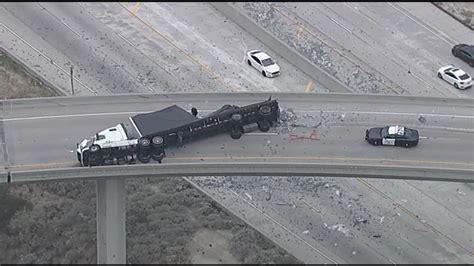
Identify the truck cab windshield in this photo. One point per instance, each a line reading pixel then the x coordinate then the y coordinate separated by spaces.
pixel 99 137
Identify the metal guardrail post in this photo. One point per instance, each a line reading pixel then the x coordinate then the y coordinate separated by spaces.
pixel 111 234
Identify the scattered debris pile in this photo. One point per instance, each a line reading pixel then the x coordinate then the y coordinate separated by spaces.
pixel 287 120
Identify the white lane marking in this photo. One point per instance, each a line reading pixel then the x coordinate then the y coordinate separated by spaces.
pixel 414 20
pixel 47 58
pixel 456 129
pixel 422 137
pixel 262 134
pixel 125 39
pixel 208 110
pixel 340 25
pixel 67 26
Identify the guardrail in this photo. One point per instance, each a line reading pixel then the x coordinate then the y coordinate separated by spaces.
pixel 244 169
pixel 236 97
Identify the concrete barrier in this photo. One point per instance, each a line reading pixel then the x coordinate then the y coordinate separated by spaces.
pixel 292 56
pixel 3 177
pixel 245 169
pixel 234 97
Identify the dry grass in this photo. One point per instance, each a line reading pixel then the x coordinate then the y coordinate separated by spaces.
pixel 16 82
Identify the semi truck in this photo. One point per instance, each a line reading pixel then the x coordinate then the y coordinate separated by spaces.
pixel 146 136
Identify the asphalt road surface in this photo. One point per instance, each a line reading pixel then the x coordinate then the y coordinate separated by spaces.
pixel 163 47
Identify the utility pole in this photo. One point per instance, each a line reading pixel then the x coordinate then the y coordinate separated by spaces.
pixel 72 80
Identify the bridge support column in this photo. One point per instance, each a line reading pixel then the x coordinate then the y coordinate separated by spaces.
pixel 110 215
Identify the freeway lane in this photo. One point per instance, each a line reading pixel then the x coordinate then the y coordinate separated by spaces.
pixel 59 123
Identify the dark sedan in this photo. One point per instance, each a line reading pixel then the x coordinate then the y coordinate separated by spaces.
pixel 392 136
pixel 464 52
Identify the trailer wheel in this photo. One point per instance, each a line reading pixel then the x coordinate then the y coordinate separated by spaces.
pixel 236 134
pixel 144 158
pixel 265 110
pixel 236 117
pixel 157 141
pixel 144 143
pixel 129 159
pixel 158 157
pixel 94 148
pixel 264 126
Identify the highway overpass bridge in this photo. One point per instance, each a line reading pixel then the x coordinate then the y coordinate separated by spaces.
pixel 39 137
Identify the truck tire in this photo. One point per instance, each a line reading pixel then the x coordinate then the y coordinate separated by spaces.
pixel 264 126
pixel 180 135
pixel 236 133
pixel 158 157
pixel 157 141
pixel 265 110
pixel 236 117
pixel 144 143
pixel 129 159
pixel 144 158
pixel 94 148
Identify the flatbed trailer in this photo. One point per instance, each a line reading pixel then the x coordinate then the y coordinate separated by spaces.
pixel 146 136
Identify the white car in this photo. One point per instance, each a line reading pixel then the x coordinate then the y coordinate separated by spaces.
pixel 263 63
pixel 455 76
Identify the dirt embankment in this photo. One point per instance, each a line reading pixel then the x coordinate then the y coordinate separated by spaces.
pixel 462 11
pixel 168 220
pixel 16 82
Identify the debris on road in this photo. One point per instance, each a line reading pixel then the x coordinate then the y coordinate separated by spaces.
pixel 287 117
pixel 306 232
pixel 377 235
pixel 460 192
pixel 359 220
pixel 341 228
pixel 248 195
pixel 381 219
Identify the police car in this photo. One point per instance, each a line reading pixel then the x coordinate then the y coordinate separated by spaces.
pixel 392 136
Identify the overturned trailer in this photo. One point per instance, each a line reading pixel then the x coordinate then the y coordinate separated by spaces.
pixel 146 136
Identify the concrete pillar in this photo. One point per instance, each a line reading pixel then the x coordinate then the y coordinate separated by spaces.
pixel 110 215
